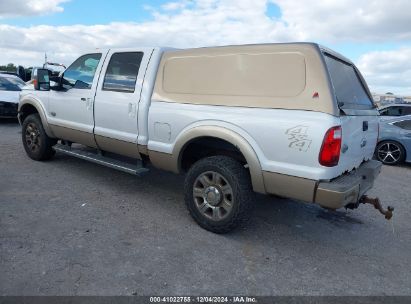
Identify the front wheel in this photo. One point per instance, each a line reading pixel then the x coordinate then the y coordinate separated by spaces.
pixel 218 193
pixel 37 144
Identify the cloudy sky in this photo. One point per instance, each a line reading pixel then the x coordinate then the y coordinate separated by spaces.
pixel 375 34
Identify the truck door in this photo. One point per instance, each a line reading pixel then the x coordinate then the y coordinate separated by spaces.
pixel 117 98
pixel 70 110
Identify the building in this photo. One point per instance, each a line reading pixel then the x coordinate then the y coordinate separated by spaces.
pixel 389 98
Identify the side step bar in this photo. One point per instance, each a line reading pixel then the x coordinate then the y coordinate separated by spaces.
pixel 137 169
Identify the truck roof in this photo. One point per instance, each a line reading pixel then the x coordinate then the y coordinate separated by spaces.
pixel 162 49
pixel 129 49
pixel 165 48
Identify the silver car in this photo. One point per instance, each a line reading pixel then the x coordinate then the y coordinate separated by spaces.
pixel 395 110
pixel 394 143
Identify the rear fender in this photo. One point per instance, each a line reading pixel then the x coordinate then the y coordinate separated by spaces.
pixel 230 136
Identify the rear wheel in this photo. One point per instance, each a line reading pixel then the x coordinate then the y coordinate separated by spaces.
pixel 390 153
pixel 218 193
pixel 37 144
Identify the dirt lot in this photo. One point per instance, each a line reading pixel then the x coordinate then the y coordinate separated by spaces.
pixel 68 227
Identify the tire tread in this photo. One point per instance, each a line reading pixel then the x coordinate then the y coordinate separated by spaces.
pixel 46 150
pixel 242 191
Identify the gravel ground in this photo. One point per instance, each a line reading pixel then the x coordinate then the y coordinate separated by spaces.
pixel 69 227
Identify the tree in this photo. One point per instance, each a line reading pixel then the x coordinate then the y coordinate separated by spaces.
pixel 9 68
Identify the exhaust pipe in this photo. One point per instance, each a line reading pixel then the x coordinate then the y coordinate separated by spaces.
pixel 377 205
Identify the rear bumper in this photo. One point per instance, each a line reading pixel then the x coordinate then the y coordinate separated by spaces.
pixel 8 109
pixel 349 188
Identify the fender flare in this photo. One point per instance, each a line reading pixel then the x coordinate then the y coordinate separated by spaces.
pixel 28 100
pixel 230 136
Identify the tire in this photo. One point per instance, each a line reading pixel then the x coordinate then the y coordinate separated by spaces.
pixel 218 193
pixel 390 152
pixel 37 144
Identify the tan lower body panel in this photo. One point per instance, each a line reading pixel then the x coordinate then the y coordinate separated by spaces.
pixel 104 143
pixel 163 161
pixel 118 146
pixel 279 184
pixel 142 149
pixel 289 186
pixel 76 136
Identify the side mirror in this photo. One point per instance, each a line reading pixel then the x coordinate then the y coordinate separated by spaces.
pixel 41 80
pixel 56 82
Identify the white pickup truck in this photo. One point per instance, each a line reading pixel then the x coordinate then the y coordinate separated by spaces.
pixel 294 120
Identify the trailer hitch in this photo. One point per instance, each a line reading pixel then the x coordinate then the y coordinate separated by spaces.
pixel 377 205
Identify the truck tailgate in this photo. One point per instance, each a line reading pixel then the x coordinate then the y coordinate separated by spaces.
pixel 359 137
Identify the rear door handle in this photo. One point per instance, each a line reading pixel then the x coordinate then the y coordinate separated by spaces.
pixel 83 99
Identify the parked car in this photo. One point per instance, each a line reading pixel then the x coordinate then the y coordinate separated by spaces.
pixel 395 110
pixel 8 73
pixel 10 87
pixel 295 120
pixel 394 146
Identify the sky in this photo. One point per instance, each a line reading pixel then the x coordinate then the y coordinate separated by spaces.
pixel 374 34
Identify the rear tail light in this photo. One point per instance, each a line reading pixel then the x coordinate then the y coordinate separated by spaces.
pixel 330 150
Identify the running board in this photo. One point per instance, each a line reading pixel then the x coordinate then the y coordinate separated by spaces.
pixel 137 169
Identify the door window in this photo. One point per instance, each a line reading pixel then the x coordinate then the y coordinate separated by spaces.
pixel 81 73
pixel 405 124
pixel 122 71
pixel 406 110
pixel 392 111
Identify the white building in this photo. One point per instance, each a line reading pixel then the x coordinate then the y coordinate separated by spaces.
pixel 385 99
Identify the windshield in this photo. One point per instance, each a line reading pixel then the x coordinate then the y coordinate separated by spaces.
pixel 17 81
pixel 349 89
pixel 9 83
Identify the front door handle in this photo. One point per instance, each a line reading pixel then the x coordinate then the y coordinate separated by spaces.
pixel 132 109
pixel 89 102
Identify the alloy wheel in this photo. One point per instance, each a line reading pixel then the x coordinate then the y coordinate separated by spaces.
pixel 213 195
pixel 389 153
pixel 32 135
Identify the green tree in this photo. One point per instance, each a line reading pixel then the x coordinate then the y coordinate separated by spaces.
pixel 9 68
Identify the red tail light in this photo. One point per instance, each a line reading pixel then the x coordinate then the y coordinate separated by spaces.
pixel 330 150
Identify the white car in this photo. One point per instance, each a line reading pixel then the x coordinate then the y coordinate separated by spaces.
pixel 10 87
